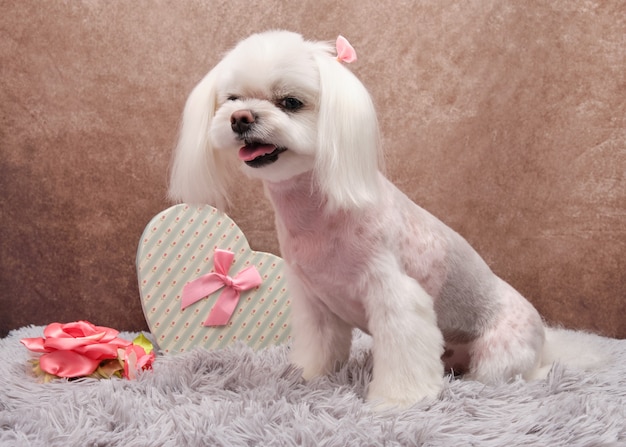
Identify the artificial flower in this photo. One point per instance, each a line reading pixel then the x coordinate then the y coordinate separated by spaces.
pixel 136 357
pixel 81 349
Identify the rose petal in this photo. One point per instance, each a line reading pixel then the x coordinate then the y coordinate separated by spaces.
pixel 54 330
pixel 135 360
pixel 130 363
pixel 35 344
pixel 121 342
pixel 142 340
pixel 68 344
pixel 145 361
pixel 98 351
pixel 67 364
pixel 79 329
pixel 109 333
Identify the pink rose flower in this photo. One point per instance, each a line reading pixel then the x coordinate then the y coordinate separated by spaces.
pixel 75 349
pixel 135 359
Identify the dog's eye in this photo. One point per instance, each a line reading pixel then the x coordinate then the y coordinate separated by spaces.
pixel 233 98
pixel 291 104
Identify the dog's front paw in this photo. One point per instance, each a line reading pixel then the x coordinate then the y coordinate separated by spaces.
pixel 312 366
pixel 311 371
pixel 382 397
pixel 323 356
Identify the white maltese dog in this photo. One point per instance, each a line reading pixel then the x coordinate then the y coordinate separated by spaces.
pixel 360 254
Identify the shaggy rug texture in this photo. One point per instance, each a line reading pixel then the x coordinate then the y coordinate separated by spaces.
pixel 238 397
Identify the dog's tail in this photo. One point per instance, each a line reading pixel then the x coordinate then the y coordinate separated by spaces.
pixel 575 349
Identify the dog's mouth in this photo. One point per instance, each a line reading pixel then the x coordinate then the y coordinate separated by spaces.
pixel 256 155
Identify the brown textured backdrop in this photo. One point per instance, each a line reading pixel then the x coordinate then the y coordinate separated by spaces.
pixel 506 119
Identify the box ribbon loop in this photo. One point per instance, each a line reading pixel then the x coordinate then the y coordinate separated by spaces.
pixel 227 301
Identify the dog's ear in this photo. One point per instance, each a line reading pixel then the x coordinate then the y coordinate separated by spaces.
pixel 349 155
pixel 198 173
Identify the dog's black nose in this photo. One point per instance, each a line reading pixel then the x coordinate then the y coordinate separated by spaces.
pixel 241 121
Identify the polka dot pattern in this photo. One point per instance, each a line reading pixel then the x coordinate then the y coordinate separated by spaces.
pixel 176 247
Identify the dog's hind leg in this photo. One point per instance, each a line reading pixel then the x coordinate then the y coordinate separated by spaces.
pixel 513 346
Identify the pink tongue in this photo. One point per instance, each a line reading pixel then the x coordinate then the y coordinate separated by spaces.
pixel 252 151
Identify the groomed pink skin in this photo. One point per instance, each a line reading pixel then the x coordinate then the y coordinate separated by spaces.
pixel 332 252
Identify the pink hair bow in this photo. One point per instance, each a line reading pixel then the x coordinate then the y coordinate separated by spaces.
pixel 226 303
pixel 345 51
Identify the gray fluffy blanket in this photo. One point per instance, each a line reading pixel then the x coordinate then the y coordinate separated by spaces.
pixel 237 397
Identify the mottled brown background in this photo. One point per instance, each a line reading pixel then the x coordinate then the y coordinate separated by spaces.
pixel 506 119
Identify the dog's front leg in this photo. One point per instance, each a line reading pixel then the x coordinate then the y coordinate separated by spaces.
pixel 407 343
pixel 320 340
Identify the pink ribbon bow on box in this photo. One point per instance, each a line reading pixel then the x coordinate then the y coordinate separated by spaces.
pixel 226 303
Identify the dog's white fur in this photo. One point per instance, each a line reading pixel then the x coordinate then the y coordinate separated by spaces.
pixel 359 252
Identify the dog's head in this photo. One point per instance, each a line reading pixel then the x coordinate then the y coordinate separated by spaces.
pixel 279 106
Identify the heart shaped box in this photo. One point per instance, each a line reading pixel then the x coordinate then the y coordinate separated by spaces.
pixel 177 247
